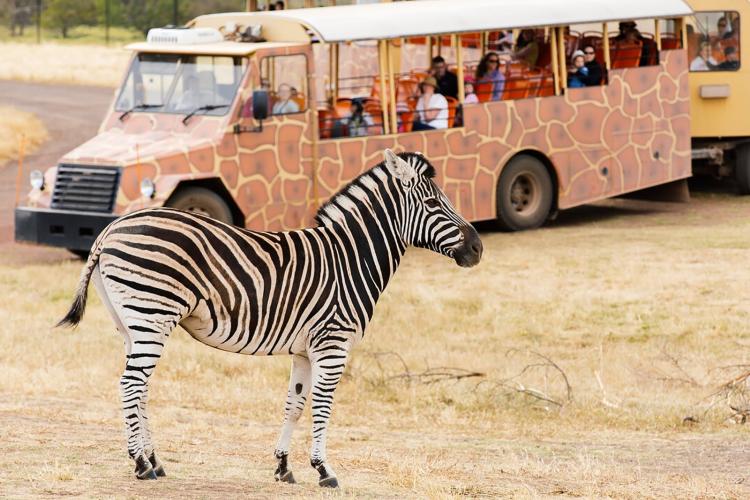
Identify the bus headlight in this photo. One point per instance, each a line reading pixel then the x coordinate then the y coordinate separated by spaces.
pixel 36 178
pixel 147 188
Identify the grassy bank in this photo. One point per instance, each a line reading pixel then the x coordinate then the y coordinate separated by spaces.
pixel 15 124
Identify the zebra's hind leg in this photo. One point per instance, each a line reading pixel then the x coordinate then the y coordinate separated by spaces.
pixel 144 336
pixel 147 444
pixel 299 388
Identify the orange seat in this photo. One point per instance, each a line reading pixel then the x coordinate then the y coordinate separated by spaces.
pixel 535 81
pixel 343 107
pixel 419 74
pixel 471 40
pixel 406 86
pixel 548 85
pixel 406 121
pixel 625 55
pixel 326 120
pixel 452 106
pixel 670 43
pixel 516 88
pixel 483 90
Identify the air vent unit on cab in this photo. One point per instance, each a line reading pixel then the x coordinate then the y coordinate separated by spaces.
pixel 181 36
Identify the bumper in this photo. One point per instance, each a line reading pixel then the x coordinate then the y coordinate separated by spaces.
pixel 60 228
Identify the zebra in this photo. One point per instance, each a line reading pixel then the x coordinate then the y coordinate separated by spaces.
pixel 308 293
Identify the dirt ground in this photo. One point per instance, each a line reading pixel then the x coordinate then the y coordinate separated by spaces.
pixel 643 305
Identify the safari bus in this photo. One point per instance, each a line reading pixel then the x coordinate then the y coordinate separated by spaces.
pixel 256 118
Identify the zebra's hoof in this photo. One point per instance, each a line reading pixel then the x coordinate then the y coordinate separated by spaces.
pixel 285 477
pixel 144 469
pixel 156 464
pixel 328 482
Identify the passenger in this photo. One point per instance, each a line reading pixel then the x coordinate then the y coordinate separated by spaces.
pixel 359 121
pixel 488 71
pixel 624 27
pixel 578 74
pixel 527 48
pixel 592 65
pixel 731 59
pixel 703 60
pixel 279 5
pixel 447 81
pixel 469 96
pixel 432 107
pixel 284 103
pixel 722 27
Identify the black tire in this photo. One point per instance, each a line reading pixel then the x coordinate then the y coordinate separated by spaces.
pixel 524 194
pixel 81 254
pixel 742 168
pixel 202 201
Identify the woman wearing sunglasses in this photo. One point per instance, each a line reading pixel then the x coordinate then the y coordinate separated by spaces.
pixel 488 70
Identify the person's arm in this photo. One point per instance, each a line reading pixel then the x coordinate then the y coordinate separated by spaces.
pixel 431 113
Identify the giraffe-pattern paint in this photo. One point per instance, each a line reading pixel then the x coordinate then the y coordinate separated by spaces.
pixel 637 128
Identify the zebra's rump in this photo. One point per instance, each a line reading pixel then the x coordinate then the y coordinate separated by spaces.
pixel 237 290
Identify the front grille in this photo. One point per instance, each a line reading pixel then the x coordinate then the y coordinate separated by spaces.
pixel 85 188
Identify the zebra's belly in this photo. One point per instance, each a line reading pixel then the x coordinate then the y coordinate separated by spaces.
pixel 245 332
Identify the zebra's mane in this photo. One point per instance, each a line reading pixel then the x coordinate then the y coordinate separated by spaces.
pixel 343 200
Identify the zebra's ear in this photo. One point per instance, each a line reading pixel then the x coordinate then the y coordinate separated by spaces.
pixel 400 169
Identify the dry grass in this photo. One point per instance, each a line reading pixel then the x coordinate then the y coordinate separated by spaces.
pixel 644 310
pixel 66 64
pixel 15 126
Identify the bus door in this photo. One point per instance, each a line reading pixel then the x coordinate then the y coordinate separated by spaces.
pixel 275 155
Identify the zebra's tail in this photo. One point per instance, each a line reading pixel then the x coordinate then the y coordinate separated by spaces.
pixel 79 302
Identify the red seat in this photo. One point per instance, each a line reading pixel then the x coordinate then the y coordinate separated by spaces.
pixel 483 90
pixel 625 55
pixel 516 88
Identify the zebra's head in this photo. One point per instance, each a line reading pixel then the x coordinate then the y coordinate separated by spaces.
pixel 431 221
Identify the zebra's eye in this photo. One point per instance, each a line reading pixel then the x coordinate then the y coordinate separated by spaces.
pixel 432 203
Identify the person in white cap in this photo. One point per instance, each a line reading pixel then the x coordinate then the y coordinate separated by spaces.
pixel 579 71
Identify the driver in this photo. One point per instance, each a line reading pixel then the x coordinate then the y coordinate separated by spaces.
pixel 191 95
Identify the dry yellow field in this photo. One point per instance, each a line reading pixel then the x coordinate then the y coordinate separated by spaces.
pixel 65 64
pixel 17 126
pixel 601 345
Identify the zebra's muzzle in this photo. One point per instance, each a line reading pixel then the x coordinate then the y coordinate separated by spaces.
pixel 468 253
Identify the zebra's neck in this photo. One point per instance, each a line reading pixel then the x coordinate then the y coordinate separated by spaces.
pixel 367 218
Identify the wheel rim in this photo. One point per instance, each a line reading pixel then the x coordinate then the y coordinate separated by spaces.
pixel 525 193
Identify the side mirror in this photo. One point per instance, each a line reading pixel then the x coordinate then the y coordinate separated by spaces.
pixel 261 103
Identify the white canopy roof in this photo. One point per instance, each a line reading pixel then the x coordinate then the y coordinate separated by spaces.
pixel 434 17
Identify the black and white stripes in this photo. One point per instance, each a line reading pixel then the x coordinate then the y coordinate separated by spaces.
pixel 308 293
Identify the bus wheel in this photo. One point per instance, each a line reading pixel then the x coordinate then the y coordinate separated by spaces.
pixel 742 168
pixel 201 201
pixel 524 194
pixel 81 254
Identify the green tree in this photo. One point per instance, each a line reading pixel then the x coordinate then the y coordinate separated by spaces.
pixel 65 14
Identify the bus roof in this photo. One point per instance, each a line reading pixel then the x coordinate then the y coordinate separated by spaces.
pixel 436 17
pixel 211 49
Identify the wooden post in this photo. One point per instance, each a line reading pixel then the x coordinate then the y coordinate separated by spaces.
pixel 429 52
pixel 555 60
pixel 459 68
pixel 19 174
pixel 605 40
pixel 382 57
pixel 391 89
pixel 483 42
pixel 335 79
pixel 251 5
pixel 561 58
pixel 683 33
pixel 657 34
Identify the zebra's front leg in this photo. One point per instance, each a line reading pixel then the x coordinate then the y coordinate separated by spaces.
pixel 299 388
pixel 327 369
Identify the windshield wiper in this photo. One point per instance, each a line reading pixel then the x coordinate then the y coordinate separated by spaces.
pixel 207 107
pixel 137 107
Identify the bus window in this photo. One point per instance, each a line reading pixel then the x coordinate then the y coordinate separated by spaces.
pixel 714 41
pixel 286 79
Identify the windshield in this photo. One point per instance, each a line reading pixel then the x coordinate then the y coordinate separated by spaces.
pixel 179 83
